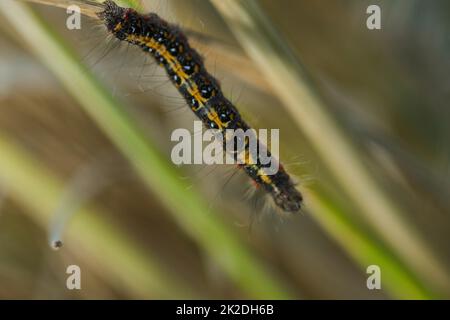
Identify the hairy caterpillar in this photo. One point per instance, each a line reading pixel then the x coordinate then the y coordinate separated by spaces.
pixel 184 66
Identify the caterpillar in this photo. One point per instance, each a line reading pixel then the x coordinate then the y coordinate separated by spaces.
pixel 168 45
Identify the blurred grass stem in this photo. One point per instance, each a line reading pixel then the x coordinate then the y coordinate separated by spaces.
pixel 214 236
pixel 292 85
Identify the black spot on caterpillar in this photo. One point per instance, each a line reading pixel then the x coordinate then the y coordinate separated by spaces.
pixel 170 48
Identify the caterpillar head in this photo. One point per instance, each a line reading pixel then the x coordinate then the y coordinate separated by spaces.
pixel 113 16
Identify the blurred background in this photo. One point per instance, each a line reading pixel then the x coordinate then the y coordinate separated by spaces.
pixel 387 89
